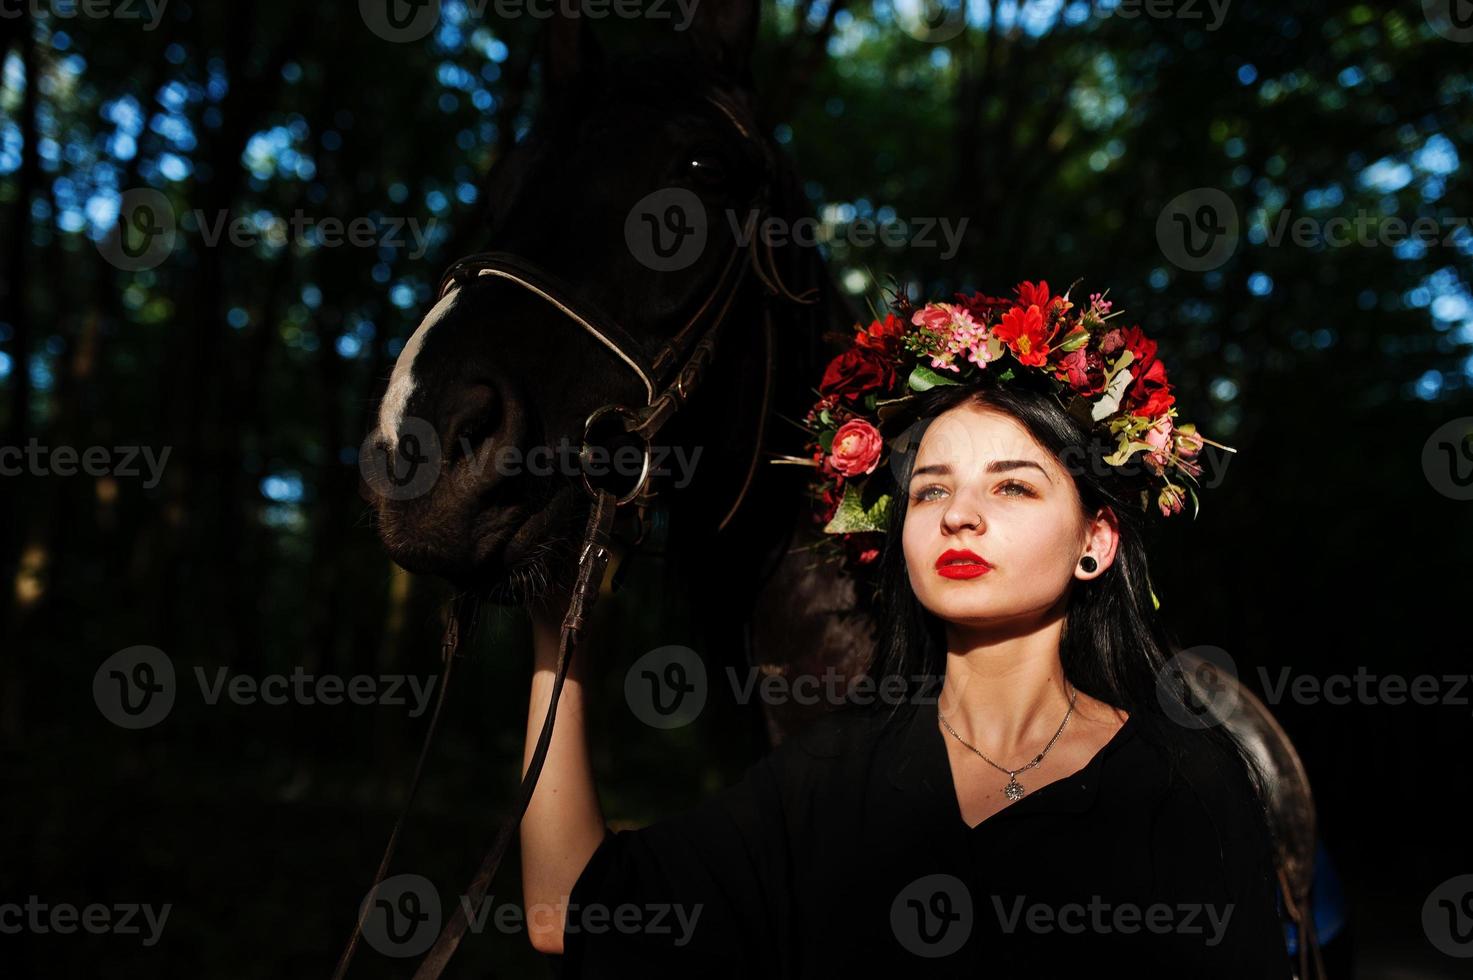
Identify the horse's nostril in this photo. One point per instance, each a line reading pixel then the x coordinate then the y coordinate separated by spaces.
pixel 475 415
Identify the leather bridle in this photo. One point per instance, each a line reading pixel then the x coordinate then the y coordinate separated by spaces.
pixel 668 377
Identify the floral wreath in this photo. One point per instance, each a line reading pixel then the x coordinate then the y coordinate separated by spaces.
pixel 1106 377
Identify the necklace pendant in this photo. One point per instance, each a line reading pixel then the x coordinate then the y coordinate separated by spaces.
pixel 1013 790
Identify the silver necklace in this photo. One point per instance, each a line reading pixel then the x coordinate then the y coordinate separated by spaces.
pixel 1014 789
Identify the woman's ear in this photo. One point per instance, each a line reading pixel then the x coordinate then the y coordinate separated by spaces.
pixel 1102 540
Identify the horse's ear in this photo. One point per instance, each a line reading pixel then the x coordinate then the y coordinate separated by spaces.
pixel 726 33
pixel 571 53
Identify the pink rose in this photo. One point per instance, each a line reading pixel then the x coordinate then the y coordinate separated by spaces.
pixel 856 448
pixel 1171 499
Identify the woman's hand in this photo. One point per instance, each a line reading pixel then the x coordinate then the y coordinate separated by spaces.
pixel 563 825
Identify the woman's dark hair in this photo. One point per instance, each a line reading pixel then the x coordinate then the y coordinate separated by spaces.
pixel 1114 645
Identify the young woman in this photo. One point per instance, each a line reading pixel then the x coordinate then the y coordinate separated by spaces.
pixel 1034 805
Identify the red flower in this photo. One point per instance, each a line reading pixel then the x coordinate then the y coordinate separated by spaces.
pixel 1022 329
pixel 828 503
pixel 882 336
pixel 1149 394
pixel 1142 347
pixel 1084 370
pixel 865 552
pixel 855 450
pixel 855 372
pixel 1031 295
pixel 980 305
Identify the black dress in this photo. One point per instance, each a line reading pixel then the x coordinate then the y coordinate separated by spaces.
pixel 843 853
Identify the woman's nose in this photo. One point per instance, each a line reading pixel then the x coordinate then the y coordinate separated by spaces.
pixel 962 513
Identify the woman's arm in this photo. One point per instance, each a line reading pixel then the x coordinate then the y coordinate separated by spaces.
pixel 563 825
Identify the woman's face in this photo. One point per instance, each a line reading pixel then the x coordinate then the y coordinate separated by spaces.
pixel 994 529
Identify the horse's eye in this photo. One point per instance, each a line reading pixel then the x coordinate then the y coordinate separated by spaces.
pixel 706 168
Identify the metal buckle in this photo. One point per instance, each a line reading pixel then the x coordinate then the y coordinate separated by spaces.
pixel 644 471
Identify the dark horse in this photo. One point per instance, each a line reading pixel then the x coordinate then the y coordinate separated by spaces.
pixel 598 196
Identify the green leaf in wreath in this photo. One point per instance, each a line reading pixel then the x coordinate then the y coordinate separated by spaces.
pixel 924 379
pixel 851 515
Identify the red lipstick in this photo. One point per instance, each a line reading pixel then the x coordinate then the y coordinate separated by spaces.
pixel 961 563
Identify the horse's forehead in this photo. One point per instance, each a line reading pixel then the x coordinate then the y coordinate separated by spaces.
pixel 402 382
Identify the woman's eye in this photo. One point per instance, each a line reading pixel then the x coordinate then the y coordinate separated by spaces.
pixel 1024 490
pixel 925 493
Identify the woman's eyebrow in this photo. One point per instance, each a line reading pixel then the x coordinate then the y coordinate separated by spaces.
pixel 996 466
